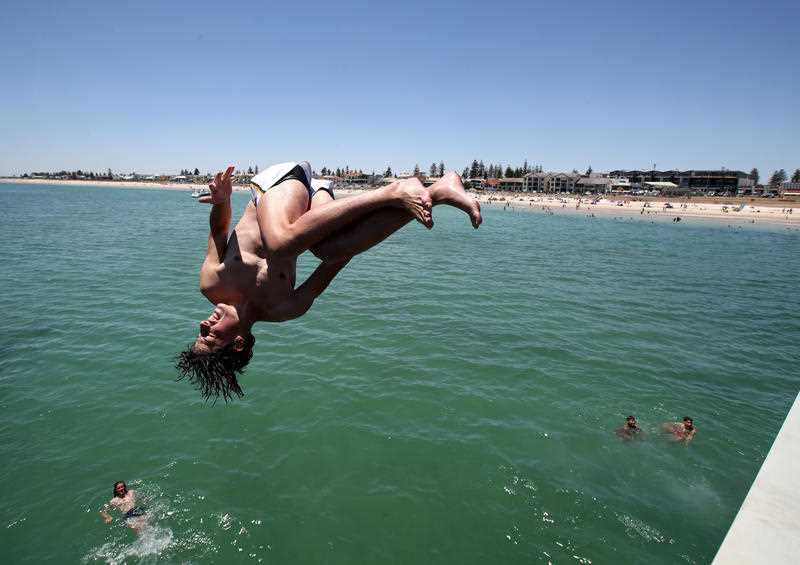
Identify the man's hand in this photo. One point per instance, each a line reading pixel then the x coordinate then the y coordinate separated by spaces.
pixel 220 188
pixel 106 516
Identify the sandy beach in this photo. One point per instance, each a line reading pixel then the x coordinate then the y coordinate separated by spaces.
pixel 731 210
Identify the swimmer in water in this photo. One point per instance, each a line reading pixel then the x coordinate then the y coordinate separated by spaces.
pixel 124 500
pixel 681 431
pixel 630 430
pixel 250 274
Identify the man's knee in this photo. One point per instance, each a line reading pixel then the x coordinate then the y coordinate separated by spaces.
pixel 279 242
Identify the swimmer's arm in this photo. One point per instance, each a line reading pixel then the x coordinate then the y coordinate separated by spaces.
pixel 303 296
pixel 105 515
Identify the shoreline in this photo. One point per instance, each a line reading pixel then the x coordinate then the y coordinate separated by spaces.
pixel 736 210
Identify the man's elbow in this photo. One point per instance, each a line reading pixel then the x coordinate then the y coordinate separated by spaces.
pixel 302 305
pixel 305 306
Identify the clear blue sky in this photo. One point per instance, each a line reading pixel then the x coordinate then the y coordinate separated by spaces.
pixel 159 86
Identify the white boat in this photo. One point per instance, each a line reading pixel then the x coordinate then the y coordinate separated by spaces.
pixel 198 192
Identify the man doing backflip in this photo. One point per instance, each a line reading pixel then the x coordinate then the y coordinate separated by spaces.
pixel 250 275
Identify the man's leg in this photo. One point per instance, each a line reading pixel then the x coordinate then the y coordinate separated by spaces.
pixel 287 232
pixel 377 226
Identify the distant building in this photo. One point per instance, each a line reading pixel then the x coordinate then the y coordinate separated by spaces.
pixel 407 175
pixel 550 182
pixel 511 183
pixel 536 182
pixel 620 184
pixel 357 178
pixel 693 181
pixel 790 191
pixel 594 183
pixel 564 182
pixel 663 187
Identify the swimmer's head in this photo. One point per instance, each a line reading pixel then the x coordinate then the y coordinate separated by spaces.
pixel 223 327
pixel 688 423
pixel 223 348
pixel 630 421
pixel 120 489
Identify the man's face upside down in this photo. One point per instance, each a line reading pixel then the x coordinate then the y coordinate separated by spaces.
pixel 218 330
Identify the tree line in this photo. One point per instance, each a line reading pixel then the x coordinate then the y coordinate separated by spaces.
pixel 779 177
pixel 340 172
pixel 476 170
pixel 496 171
pixel 72 175
pixel 196 172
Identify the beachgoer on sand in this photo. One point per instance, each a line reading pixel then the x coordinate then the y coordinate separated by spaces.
pixel 250 274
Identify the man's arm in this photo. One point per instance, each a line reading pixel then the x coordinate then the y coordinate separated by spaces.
pixel 219 222
pixel 105 515
pixel 303 296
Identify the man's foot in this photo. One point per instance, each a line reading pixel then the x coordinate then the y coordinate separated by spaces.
pixel 416 199
pixel 449 190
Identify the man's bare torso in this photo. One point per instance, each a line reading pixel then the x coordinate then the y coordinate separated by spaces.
pixel 124 503
pixel 244 274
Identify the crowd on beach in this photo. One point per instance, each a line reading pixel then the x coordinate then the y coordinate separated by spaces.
pixel 654 207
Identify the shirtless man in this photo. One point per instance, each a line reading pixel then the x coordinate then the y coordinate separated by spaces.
pixel 251 276
pixel 124 500
pixel 681 431
pixel 630 430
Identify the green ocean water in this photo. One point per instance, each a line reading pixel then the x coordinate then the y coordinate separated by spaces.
pixel 451 399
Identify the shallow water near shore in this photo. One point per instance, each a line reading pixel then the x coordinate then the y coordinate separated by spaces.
pixel 451 398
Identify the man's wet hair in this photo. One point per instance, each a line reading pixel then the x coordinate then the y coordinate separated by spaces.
pixel 214 373
pixel 117 484
pixel 688 418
